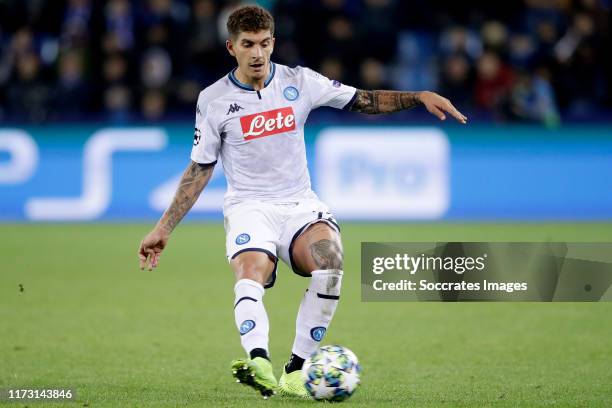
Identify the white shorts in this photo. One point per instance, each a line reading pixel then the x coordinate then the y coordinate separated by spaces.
pixel 272 227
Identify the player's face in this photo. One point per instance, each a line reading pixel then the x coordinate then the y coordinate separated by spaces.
pixel 252 52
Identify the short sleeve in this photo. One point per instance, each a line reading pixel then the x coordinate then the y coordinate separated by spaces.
pixel 326 92
pixel 206 138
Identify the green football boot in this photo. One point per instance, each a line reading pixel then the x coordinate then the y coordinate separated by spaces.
pixel 256 373
pixel 292 385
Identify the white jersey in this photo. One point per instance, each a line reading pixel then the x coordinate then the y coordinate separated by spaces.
pixel 260 134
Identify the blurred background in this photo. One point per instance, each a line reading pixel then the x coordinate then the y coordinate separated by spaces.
pixel 122 60
pixel 84 80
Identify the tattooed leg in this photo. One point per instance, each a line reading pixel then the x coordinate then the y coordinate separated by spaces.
pixel 318 248
pixel 326 254
pixel 318 253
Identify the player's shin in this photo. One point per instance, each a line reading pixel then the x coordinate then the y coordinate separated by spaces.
pixel 315 313
pixel 251 317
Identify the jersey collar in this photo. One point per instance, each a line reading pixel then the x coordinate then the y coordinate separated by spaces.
pixel 235 81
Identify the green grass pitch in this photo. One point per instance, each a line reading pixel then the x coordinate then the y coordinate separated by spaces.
pixel 89 319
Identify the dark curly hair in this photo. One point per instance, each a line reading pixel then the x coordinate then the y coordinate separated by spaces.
pixel 250 19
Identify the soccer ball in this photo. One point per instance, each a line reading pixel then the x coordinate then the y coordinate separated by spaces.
pixel 331 373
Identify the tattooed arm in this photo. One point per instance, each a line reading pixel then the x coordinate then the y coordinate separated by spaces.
pixel 194 179
pixel 376 102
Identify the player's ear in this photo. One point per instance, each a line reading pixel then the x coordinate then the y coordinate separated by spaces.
pixel 273 41
pixel 229 45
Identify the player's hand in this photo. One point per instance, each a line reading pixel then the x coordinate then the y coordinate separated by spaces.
pixel 151 247
pixel 438 105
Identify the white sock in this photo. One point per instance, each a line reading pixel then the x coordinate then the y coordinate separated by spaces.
pixel 316 310
pixel 250 314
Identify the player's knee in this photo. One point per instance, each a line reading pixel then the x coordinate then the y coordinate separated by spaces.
pixel 327 254
pixel 252 273
pixel 252 266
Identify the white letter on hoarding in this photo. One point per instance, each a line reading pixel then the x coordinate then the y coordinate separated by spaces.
pixel 24 156
pixel 97 175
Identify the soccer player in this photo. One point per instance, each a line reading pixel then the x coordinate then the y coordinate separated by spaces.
pixel 253 118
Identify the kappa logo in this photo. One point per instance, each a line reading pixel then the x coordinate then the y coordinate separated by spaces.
pixel 268 123
pixel 234 108
pixel 197 136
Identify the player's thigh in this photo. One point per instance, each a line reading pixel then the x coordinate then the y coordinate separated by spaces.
pixel 254 265
pixel 318 247
pixel 251 239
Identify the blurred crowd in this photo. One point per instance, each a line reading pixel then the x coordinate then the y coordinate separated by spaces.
pixel 123 60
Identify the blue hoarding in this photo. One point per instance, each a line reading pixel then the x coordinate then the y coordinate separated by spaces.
pixel 91 173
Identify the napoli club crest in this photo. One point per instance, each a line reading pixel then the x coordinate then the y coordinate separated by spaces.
pixel 243 239
pixel 246 327
pixel 317 333
pixel 291 93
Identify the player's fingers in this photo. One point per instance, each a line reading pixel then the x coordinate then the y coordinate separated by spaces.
pixel 146 262
pixel 455 113
pixel 155 259
pixel 142 261
pixel 149 262
pixel 437 112
pixel 142 257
